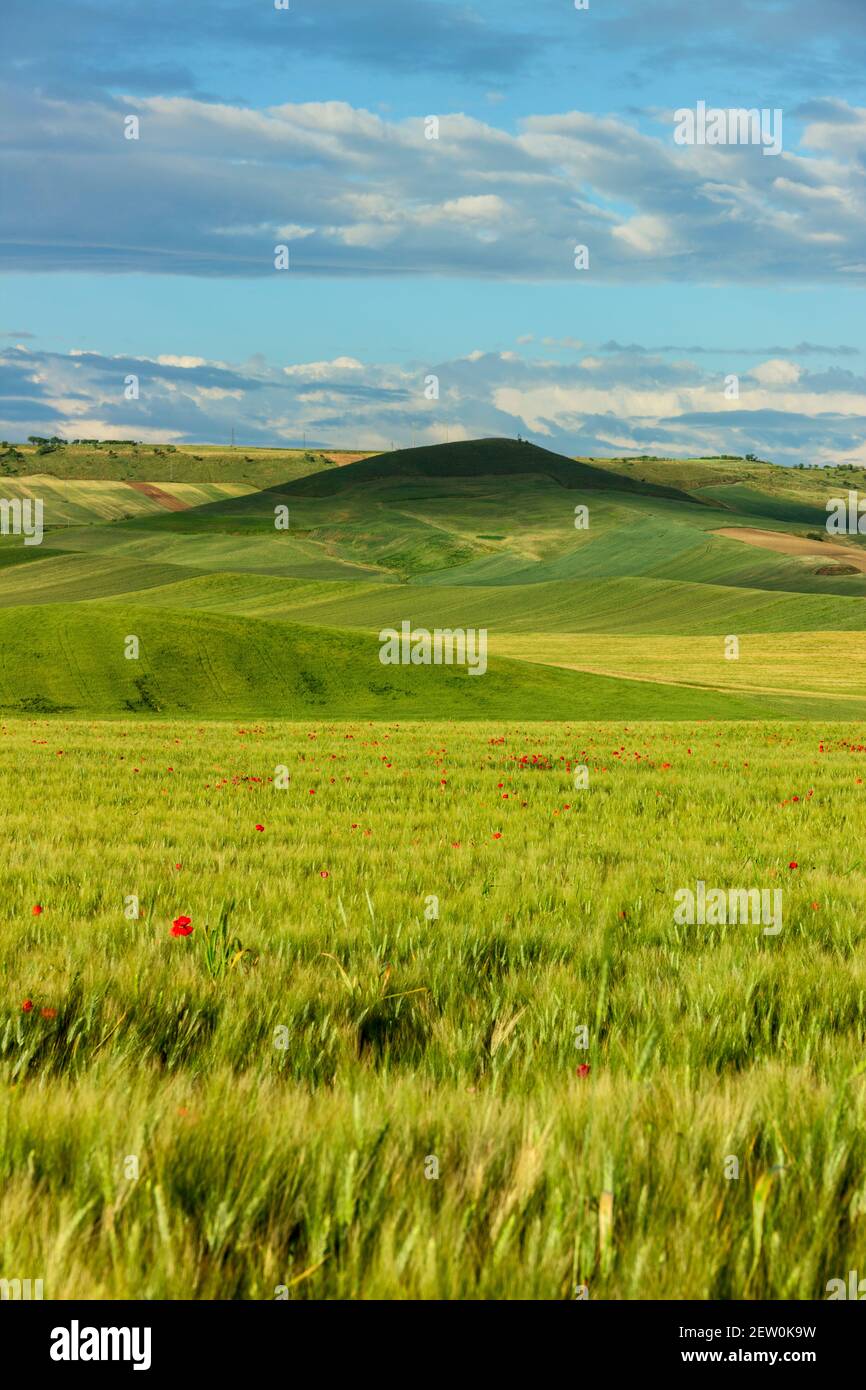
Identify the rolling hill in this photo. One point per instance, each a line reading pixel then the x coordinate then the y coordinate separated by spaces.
pixel 472 459
pixel 607 588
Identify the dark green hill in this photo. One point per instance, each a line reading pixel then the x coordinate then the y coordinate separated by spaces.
pixel 470 459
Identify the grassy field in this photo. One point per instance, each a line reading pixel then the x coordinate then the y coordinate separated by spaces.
pixel 223 1115
pixel 119 461
pixel 622 616
pixel 837 661
pixel 357 1075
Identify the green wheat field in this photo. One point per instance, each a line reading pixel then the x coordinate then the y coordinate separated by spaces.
pixel 327 979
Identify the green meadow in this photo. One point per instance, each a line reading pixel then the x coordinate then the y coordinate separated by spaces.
pixel 431 1029
pixel 386 983
pixel 113 460
pixel 271 596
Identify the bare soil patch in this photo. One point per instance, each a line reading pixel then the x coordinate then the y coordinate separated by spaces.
pixel 158 494
pixel 797 545
pixel 340 458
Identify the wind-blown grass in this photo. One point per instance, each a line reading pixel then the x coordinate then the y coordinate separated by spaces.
pixel 282 1096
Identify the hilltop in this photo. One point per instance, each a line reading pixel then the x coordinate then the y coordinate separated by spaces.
pixel 474 459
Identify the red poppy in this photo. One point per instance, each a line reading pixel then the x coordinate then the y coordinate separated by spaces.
pixel 497 834
pixel 260 827
pixel 38 910
pixel 793 864
pixel 49 1013
pixel 323 873
pixel 27 1006
pixel 584 1069
pixel 181 926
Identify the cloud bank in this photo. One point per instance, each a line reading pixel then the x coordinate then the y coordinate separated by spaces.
pixel 211 189
pixel 606 404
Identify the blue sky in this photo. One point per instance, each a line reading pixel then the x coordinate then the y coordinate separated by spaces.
pixel 453 256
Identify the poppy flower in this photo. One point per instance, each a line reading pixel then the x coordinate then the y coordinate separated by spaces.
pixel 584 1069
pixel 27 1006
pixel 793 864
pixel 260 827
pixel 181 926
pixel 323 873
pixel 497 834
pixel 38 910
pixel 49 1013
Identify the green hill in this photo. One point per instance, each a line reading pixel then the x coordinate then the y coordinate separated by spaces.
pixel 123 461
pixel 269 600
pixel 654 607
pixel 70 660
pixel 474 458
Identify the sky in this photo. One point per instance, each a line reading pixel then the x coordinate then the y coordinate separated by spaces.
pixel 431 167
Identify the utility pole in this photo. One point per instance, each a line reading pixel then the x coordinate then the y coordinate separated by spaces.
pixel 233 436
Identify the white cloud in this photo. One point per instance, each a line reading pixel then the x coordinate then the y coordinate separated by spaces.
pixel 650 235
pixel 606 402
pixel 356 192
pixel 776 373
pixel 320 370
